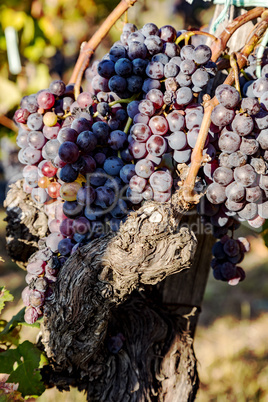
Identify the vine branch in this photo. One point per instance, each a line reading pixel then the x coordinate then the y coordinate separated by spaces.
pixel 197 153
pixel 218 46
pixel 88 48
pixel 6 122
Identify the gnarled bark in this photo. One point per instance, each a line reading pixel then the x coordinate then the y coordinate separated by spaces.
pixel 26 224
pixel 147 355
pixel 98 277
pixel 110 328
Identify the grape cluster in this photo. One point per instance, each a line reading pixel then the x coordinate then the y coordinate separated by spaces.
pixel 227 253
pixel 92 160
pixel 238 178
pixel 239 175
pixel 42 272
pixel 165 80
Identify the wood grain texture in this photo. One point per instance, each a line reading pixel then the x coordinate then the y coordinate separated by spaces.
pixel 106 329
pixel 26 224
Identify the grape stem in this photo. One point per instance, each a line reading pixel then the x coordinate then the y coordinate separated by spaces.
pixel 235 68
pixel 127 100
pixel 65 115
pixel 186 36
pixel 197 157
pixel 6 122
pixel 128 124
pixel 88 48
pixel 241 57
pixel 219 46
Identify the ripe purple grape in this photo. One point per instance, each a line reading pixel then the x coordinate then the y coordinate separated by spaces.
pixel 182 156
pixel 216 193
pixel 140 132
pixel 117 139
pixel 137 184
pixel 156 145
pixel 68 152
pixel 161 181
pixel 223 176
pixel 176 121
pixel 260 86
pixel 249 146
pixel 250 105
pixel 253 194
pixel 184 96
pixel 231 247
pixel 158 125
pixel 133 196
pixel 147 107
pixel 249 211
pixel 127 172
pixel 245 175
pixel 31 315
pixel 227 95
pixel 221 116
pixel 242 125
pixel 177 140
pixel 202 54
pixel 235 192
pixel 144 168
pixel 229 142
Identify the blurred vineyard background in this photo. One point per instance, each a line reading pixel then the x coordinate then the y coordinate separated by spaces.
pixel 231 341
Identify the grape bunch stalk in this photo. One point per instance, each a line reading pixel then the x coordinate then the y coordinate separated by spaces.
pixel 92 159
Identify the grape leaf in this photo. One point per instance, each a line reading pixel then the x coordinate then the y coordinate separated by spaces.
pixel 4 297
pixel 22 364
pixel 18 319
pixel 14 396
pixel 12 337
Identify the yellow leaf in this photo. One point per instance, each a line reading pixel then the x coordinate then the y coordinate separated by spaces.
pixel 50 31
pixel 28 31
pixel 35 52
pixel 10 95
pixel 3 44
pixel 40 80
pixel 13 18
pixel 49 51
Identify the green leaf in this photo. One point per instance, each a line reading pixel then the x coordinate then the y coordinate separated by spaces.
pixel 18 319
pixel 23 366
pixel 7 360
pixel 12 337
pixel 13 396
pixel 3 397
pixel 5 296
pixel 15 320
